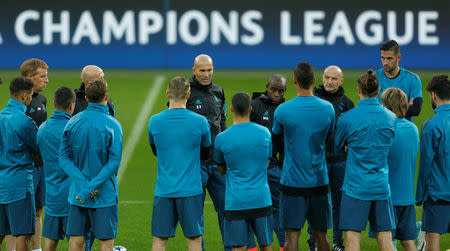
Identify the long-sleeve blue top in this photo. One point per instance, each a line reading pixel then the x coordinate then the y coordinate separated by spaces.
pixel 90 153
pixel 433 180
pixel 57 183
pixel 402 162
pixel 17 141
pixel 368 131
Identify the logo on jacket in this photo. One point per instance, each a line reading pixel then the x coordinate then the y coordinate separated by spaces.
pixel 216 99
pixel 341 106
pixel 266 115
pixel 32 110
pixel 198 104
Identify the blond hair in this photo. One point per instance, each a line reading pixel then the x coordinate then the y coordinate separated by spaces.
pixel 395 100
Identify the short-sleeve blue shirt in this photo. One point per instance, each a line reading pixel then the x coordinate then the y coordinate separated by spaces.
pixel 57 183
pixel 407 81
pixel 434 169
pixel 402 162
pixel 178 135
pixel 17 140
pixel 306 123
pixel 368 131
pixel 246 149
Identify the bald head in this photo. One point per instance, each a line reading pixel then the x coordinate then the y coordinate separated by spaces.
pixel 276 87
pixel 90 73
pixel 203 69
pixel 332 78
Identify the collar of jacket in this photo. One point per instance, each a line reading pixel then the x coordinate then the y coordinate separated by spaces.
pixel 445 107
pixel 368 101
pixel 18 104
pixel 61 114
pixel 265 98
pixel 98 107
pixel 320 91
pixel 197 84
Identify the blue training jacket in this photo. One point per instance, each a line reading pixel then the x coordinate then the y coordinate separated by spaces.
pixel 434 170
pixel 57 183
pixel 17 141
pixel 90 153
pixel 368 130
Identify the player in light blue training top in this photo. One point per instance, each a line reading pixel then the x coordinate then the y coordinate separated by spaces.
pixel 305 121
pixel 368 132
pixel 242 152
pixel 433 181
pixel 402 168
pixel 90 153
pixel 57 182
pixel 179 138
pixel 392 75
pixel 17 143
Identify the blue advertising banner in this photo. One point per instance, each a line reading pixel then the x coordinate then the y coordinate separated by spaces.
pixel 237 34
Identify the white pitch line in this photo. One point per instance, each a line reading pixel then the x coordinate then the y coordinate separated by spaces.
pixel 139 125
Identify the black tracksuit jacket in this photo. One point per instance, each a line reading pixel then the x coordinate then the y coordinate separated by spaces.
pixel 341 104
pixel 209 101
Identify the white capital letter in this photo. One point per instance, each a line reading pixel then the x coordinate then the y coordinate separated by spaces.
pixel 19 27
pixel 86 28
pixel 376 29
pixel 202 24
pixel 340 28
pixel 63 27
pixel 285 27
pixel 425 28
pixel 144 28
pixel 311 28
pixel 392 27
pixel 118 29
pixel 219 26
pixel 248 22
pixel 171 27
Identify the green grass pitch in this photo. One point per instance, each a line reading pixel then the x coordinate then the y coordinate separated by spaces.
pixel 128 90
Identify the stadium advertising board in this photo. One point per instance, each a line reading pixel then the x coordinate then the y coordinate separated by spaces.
pixel 238 34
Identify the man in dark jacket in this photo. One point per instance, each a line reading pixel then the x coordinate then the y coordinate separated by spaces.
pixel 332 91
pixel 263 108
pixel 208 99
pixel 89 73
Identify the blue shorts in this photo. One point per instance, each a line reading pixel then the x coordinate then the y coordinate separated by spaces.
pixel 168 211
pixel 55 228
pixel 19 217
pixel 355 213
pixel 436 218
pixel 405 224
pixel 39 186
pixel 295 210
pixel 236 231
pixel 102 221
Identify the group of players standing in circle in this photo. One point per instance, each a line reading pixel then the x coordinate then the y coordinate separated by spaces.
pixel 271 171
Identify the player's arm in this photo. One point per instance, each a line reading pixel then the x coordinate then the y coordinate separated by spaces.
pixel 428 146
pixel 206 140
pixel 66 161
pixel 218 154
pixel 223 114
pixel 340 136
pixel 415 105
pixel 150 138
pixel 109 169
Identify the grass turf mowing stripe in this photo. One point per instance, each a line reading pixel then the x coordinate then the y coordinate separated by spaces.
pixel 139 125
